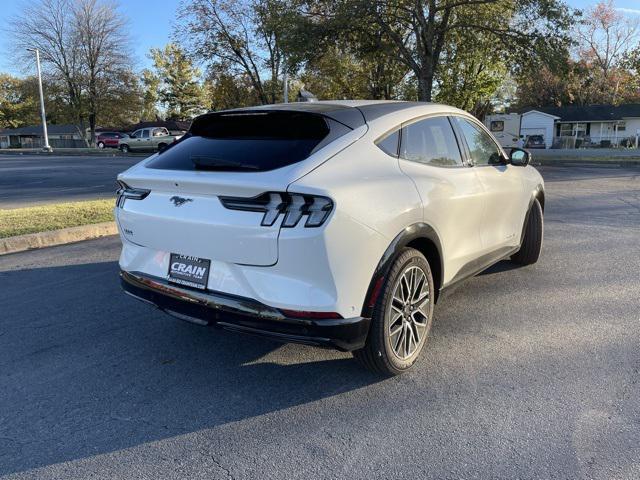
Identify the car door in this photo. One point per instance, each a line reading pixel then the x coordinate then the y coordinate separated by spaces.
pixel 146 142
pixel 505 201
pixel 135 140
pixel 450 191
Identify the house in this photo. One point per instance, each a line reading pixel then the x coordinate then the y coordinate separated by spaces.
pixel 595 125
pixel 60 136
pixel 574 126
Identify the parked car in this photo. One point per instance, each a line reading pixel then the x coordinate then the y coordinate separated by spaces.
pixel 328 223
pixel 535 141
pixel 150 139
pixel 109 139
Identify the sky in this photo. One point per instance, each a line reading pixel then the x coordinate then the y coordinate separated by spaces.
pixel 151 23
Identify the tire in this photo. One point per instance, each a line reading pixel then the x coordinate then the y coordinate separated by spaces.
pixel 101 145
pixel 162 147
pixel 532 241
pixel 389 353
pixel 124 148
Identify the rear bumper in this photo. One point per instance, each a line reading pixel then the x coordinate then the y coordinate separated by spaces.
pixel 242 314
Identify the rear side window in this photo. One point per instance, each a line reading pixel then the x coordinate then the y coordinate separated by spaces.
pixel 250 140
pixel 430 141
pixel 390 143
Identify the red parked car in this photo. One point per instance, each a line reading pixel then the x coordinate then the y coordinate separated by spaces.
pixel 109 139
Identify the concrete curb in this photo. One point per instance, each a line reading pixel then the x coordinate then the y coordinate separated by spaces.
pixel 30 241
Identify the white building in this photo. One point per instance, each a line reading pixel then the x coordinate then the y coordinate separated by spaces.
pixel 599 126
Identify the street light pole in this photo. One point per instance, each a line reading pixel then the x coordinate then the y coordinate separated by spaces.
pixel 42 112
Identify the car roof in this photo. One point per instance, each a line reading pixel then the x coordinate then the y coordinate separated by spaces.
pixel 355 113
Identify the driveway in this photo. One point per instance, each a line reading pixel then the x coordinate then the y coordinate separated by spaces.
pixel 529 372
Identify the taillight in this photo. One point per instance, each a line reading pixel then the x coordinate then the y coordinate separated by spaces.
pixel 126 192
pixel 292 205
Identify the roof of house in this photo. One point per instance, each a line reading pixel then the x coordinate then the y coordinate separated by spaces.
pixel 37 130
pixel 592 113
pixel 555 117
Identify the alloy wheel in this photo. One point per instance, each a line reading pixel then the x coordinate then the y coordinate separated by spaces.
pixel 409 313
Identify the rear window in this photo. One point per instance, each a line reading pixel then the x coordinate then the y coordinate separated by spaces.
pixel 251 141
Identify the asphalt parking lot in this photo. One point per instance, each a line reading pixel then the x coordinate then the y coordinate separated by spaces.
pixel 529 373
pixel 27 180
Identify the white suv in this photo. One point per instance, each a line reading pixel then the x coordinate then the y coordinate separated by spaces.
pixel 328 223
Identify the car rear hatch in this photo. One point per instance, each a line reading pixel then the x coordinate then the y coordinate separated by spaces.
pixel 172 201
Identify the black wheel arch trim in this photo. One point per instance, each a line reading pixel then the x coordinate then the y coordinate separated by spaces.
pixel 538 194
pixel 413 232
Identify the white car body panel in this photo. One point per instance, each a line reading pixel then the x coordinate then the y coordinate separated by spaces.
pixel 473 210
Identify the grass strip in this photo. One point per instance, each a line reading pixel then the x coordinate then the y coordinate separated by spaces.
pixel 44 218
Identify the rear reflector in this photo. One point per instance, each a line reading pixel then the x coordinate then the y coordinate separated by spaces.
pixel 301 314
pixel 375 293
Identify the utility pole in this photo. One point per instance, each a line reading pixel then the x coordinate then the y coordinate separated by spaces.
pixel 42 112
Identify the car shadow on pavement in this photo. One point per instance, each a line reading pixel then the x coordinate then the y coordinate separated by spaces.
pixel 85 370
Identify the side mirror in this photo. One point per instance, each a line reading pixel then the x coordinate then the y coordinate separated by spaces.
pixel 519 157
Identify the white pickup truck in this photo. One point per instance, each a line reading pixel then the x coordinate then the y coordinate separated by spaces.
pixel 151 139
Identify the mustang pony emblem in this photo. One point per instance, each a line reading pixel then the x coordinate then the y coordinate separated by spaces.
pixel 177 201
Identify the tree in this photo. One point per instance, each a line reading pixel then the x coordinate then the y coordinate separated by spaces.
pixel 601 68
pixel 471 72
pixel 48 26
pixel 605 39
pixel 605 36
pixel 241 37
pixel 121 102
pixel 19 107
pixel 180 89
pixel 340 55
pixel 224 91
pixel 150 99
pixel 83 45
pixel 422 30
pixel 103 50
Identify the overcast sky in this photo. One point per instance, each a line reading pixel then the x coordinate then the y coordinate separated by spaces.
pixel 152 20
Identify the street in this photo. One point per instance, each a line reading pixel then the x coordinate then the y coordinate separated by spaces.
pixel 27 180
pixel 529 372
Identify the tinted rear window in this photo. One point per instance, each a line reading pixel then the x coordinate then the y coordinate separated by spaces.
pixel 253 141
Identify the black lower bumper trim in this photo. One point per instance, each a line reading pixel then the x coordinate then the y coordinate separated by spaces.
pixel 244 314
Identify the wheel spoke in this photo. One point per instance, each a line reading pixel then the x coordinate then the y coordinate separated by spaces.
pixel 422 303
pixel 397 303
pixel 400 342
pixel 395 331
pixel 419 318
pixel 419 286
pixel 409 335
pixel 406 289
pixel 412 283
pixel 394 320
